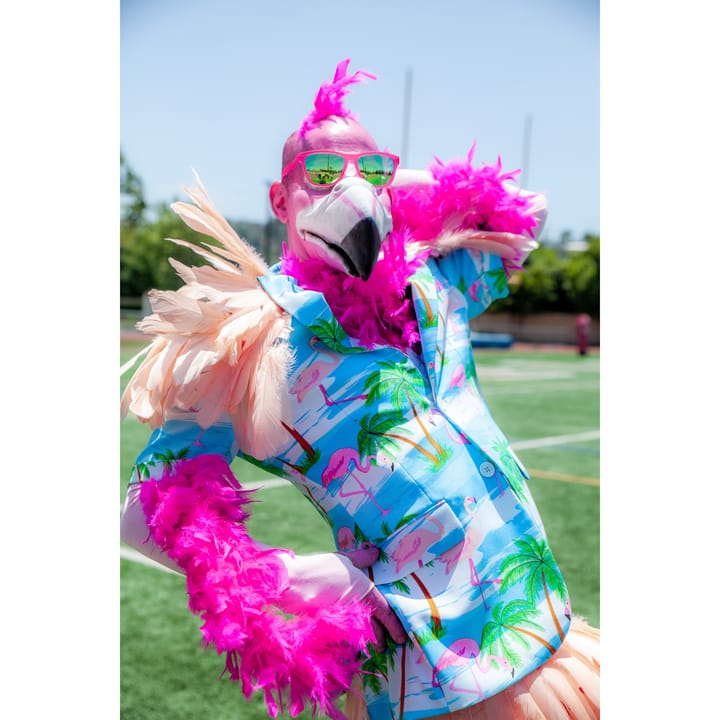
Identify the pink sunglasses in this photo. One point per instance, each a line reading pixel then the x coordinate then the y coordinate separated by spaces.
pixel 324 168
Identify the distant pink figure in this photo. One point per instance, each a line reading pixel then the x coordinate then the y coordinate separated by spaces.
pixel 339 468
pixel 413 546
pixel 465 652
pixel 464 550
pixel 314 374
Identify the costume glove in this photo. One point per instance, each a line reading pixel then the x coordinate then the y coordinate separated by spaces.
pixel 322 578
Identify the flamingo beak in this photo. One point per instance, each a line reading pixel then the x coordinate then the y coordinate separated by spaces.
pixel 349 224
pixel 360 247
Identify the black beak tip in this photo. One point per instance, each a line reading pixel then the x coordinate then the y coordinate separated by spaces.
pixel 360 248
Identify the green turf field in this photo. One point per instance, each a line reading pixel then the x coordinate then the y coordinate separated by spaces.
pixel 547 403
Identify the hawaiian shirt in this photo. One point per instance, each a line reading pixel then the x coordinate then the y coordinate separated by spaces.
pixel 400 450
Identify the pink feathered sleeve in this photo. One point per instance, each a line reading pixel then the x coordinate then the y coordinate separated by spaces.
pixel 195 515
pixel 457 205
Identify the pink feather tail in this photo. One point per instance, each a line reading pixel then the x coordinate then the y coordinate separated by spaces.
pixel 196 513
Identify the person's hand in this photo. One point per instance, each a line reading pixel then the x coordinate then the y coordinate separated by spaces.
pixel 323 578
pixel 364 556
pixel 384 620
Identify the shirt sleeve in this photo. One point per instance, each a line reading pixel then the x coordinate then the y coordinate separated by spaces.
pixel 176 440
pixel 182 439
pixel 480 277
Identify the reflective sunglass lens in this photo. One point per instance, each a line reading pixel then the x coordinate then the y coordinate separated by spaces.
pixel 376 169
pixel 324 168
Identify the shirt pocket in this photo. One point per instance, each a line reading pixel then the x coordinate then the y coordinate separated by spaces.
pixel 418 542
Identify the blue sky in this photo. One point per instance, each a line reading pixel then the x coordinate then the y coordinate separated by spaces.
pixel 218 86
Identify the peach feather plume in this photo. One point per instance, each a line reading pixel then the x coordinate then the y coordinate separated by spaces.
pixel 567 685
pixel 219 347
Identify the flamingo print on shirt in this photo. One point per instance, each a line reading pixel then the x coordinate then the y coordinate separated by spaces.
pixel 474 535
pixel 465 652
pixel 340 466
pixel 315 373
pixel 413 546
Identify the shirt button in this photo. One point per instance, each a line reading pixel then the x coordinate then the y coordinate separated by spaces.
pixel 487 469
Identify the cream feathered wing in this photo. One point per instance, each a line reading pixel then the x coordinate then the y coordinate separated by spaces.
pixel 219 346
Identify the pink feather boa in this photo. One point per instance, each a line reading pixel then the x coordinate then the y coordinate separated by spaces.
pixel 376 311
pixel 463 197
pixel 379 312
pixel 196 514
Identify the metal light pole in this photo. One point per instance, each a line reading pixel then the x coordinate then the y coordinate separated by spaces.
pixel 526 151
pixel 406 118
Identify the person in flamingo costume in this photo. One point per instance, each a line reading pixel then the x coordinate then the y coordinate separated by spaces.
pixel 383 269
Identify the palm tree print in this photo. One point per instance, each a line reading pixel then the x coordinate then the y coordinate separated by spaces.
pixel 428 633
pixel 498 278
pixel 378 664
pixel 167 457
pixel 401 383
pixel 471 372
pixel 375 435
pixel 312 455
pixel 509 627
pixel 535 565
pixel 434 610
pixel 332 336
pixel 429 320
pixel 511 470
pixel 381 663
pixel 461 284
pixel 142 470
pixel 401 586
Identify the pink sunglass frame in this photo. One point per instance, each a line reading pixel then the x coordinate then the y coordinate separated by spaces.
pixel 354 157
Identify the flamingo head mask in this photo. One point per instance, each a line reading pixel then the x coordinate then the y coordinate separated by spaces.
pixel 334 190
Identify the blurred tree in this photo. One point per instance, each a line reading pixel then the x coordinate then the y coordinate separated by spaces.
pixel 144 253
pixel 144 249
pixel 538 288
pixel 131 195
pixel 557 278
pixel 581 279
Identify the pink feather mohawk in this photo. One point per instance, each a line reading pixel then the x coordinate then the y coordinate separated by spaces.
pixel 196 514
pixel 329 98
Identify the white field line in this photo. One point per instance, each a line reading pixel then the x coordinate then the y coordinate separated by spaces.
pixel 510 375
pixel 556 440
pixel 134 556
pixel 544 387
pixel 521 373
